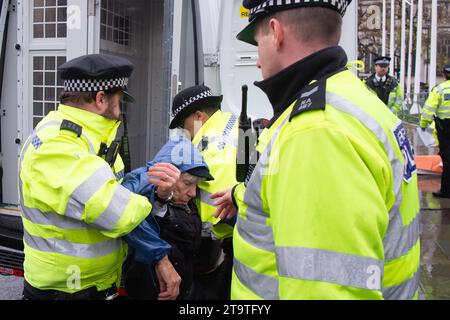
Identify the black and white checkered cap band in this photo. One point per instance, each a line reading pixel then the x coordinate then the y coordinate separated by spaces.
pixel 382 61
pixel 187 103
pixel 91 85
pixel 340 5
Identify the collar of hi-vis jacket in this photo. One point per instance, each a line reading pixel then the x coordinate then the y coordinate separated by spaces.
pixel 95 126
pixel 283 88
pixel 212 127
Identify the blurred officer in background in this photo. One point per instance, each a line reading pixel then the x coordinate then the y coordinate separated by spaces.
pixel 386 87
pixel 437 108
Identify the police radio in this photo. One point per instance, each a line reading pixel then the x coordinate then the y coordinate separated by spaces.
pixel 247 156
pixel 243 150
pixel 109 154
pixel 125 145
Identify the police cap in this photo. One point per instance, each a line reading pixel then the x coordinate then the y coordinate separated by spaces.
pixel 189 100
pixel 382 61
pixel 97 72
pixel 261 8
pixel 447 69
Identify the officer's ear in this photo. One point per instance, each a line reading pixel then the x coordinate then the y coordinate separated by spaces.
pixel 101 101
pixel 201 116
pixel 276 30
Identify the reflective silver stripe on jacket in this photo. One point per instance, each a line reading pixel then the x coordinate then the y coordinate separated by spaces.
pixel 76 250
pixel 205 197
pixel 264 286
pixel 328 266
pixel 81 195
pixel 256 233
pixel 399 239
pixel 428 116
pixel 429 108
pixel 74 210
pixel 117 206
pixel 404 291
pixel 392 100
pixel 53 219
pixel 441 115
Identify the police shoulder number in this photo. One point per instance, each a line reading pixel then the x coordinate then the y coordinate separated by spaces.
pixel 312 97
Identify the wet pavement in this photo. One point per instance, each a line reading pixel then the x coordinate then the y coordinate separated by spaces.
pixel 435 241
pixel 435 230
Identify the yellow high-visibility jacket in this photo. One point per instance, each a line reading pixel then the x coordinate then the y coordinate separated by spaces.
pixel 332 209
pixel 437 104
pixel 74 208
pixel 217 141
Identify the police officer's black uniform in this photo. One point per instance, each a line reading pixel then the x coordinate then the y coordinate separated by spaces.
pixel 382 88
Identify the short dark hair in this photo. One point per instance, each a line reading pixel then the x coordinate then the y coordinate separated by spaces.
pixel 309 23
pixel 80 98
pixel 210 110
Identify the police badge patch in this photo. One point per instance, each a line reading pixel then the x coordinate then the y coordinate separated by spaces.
pixel 407 152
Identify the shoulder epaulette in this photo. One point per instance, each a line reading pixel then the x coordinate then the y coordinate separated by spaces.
pixel 312 97
pixel 71 126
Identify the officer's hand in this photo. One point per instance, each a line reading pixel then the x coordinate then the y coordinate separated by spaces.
pixel 225 205
pixel 165 176
pixel 169 280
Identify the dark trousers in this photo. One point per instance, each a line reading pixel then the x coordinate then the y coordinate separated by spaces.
pixel 32 293
pixel 216 285
pixel 443 132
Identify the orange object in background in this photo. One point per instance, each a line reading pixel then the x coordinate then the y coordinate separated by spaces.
pixel 429 164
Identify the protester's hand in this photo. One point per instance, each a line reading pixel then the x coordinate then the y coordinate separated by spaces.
pixel 165 176
pixel 224 204
pixel 169 280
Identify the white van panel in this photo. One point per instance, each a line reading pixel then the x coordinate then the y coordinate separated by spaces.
pixel 238 65
pixel 237 60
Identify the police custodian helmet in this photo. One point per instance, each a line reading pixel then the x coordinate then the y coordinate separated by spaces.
pixel 97 72
pixel 261 8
